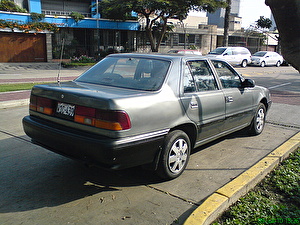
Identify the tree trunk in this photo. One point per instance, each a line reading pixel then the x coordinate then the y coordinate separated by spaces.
pixel 287 18
pixel 151 39
pixel 226 23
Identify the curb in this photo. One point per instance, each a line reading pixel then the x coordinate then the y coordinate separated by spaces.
pixel 220 200
pixel 14 103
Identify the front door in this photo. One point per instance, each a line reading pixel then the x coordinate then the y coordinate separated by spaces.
pixel 238 100
pixel 203 100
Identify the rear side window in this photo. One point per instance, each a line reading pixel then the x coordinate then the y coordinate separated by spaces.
pixel 228 77
pixel 133 73
pixel 198 77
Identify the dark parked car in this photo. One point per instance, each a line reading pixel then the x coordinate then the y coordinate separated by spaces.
pixel 136 109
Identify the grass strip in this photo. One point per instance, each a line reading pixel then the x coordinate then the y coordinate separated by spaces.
pixel 276 200
pixel 18 86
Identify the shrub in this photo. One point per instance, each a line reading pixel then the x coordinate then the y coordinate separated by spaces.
pixel 82 59
pixel 77 16
pixel 10 6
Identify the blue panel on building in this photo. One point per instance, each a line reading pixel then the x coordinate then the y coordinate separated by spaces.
pixel 69 22
pixel 35 6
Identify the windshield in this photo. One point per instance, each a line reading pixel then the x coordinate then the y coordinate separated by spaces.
pixel 259 54
pixel 217 51
pixel 128 72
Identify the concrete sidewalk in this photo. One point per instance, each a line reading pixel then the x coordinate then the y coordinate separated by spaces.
pixel 32 73
pixel 35 72
pixel 283 115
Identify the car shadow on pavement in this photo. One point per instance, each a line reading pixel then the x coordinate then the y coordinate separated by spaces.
pixel 32 177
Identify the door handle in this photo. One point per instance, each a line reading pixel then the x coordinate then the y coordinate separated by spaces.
pixel 194 105
pixel 229 99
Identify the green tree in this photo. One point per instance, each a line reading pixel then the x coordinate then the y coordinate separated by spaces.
pixel 263 22
pixel 155 13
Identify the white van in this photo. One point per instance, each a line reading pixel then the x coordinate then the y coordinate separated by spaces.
pixel 233 55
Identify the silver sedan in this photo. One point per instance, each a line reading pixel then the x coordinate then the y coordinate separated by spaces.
pixel 145 109
pixel 266 58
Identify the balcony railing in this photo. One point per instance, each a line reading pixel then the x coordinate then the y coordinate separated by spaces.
pixel 63 13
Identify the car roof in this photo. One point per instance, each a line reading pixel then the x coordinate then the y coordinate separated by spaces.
pixel 166 56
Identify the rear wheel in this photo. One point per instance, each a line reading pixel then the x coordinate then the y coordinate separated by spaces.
pixel 258 122
pixel 175 155
pixel 244 63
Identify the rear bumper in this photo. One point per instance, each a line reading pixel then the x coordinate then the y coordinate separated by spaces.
pixel 94 149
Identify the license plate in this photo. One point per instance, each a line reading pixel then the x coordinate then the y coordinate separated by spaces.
pixel 65 109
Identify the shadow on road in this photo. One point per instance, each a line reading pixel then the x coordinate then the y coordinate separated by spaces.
pixel 32 178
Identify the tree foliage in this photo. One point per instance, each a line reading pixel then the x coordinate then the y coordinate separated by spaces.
pixel 263 22
pixel 155 13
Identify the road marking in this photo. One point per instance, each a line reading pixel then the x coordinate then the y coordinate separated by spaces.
pixel 280 85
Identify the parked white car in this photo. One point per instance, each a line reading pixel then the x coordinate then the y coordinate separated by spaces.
pixel 266 58
pixel 185 52
pixel 233 55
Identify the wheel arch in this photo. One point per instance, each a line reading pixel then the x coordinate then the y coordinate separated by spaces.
pixel 265 102
pixel 191 131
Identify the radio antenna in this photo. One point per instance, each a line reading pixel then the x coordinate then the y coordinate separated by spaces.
pixel 60 61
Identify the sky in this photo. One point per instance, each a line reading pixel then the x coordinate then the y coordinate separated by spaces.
pixel 250 11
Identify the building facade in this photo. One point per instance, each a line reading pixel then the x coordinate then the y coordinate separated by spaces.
pixel 88 36
pixel 94 36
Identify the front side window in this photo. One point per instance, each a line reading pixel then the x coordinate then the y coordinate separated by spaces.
pixel 228 77
pixel 201 76
pixel 128 72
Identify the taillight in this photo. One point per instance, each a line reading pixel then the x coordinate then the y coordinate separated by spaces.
pixel 85 115
pixel 105 119
pixel 112 120
pixel 32 104
pixel 41 104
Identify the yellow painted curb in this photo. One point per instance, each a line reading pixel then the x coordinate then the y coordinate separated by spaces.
pixel 219 201
pixel 207 210
pixel 248 179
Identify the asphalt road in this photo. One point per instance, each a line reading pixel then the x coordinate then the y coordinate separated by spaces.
pixel 40 187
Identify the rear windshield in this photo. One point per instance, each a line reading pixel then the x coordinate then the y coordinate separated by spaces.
pixel 128 72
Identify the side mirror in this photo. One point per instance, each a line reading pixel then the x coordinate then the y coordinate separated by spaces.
pixel 248 83
pixel 225 53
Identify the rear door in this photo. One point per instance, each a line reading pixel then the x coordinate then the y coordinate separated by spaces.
pixel 239 103
pixel 203 100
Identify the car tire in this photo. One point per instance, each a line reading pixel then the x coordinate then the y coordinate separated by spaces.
pixel 175 155
pixel 263 64
pixel 278 63
pixel 244 63
pixel 259 120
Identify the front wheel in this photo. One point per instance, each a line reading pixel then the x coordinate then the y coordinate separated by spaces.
pixel 263 64
pixel 258 122
pixel 175 155
pixel 278 63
